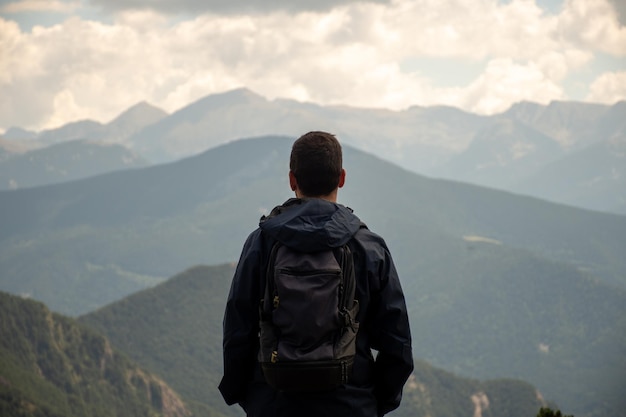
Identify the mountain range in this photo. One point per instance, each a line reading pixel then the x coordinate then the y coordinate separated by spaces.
pixel 566 152
pixel 73 151
pixel 117 130
pixel 498 285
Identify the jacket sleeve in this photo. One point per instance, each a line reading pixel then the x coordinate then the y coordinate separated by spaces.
pixel 240 325
pixel 392 336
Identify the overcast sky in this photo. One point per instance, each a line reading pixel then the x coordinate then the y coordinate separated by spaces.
pixel 62 61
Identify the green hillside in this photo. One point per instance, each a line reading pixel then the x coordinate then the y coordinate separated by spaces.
pixel 174 329
pixel 491 311
pixel 52 366
pixel 437 393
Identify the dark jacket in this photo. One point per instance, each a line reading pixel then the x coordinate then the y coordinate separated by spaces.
pixel 375 387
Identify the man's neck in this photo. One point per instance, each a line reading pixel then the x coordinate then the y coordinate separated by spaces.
pixel 332 197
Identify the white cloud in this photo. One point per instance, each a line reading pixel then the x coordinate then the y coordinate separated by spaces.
pixel 57 6
pixel 348 55
pixel 505 82
pixel 227 7
pixel 557 64
pixel 608 88
pixel 594 24
pixel 467 28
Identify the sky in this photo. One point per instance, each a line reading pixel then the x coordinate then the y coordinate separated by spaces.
pixel 69 60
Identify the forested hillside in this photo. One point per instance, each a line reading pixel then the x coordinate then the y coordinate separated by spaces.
pixel 175 330
pixel 51 366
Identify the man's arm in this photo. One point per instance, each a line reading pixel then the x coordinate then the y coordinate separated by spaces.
pixel 240 325
pixel 394 362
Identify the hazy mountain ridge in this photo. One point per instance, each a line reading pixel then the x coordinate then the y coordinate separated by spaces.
pixel 536 157
pixel 74 151
pixel 17 133
pixel 180 192
pixel 81 129
pixel 9 148
pixel 571 124
pixel 131 121
pixel 184 345
pixel 502 152
pixel 436 141
pixel 219 118
pixel 431 141
pixel 587 177
pixel 65 161
pixel 471 259
pixel 117 130
pixel 52 366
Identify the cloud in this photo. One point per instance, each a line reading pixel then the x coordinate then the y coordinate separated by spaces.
pixel 225 6
pixel 608 88
pixel 505 82
pixel 620 8
pixel 350 55
pixel 56 6
pixel 593 24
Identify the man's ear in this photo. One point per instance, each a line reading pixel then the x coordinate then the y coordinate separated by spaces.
pixel 293 183
pixel 342 178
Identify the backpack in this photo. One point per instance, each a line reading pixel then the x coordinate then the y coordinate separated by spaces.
pixel 308 319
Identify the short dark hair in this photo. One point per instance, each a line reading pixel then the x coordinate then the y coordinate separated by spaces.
pixel 316 162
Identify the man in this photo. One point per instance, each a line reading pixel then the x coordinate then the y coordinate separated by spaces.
pixel 313 221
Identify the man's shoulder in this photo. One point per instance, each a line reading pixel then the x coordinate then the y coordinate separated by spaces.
pixel 365 233
pixel 256 242
pixel 256 234
pixel 369 239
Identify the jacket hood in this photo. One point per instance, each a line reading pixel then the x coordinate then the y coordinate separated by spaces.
pixel 311 224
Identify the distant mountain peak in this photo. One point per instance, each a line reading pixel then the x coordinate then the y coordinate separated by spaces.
pixel 142 111
pixel 17 133
pixel 524 105
pixel 143 106
pixel 80 129
pixel 525 108
pixel 242 91
pixel 228 98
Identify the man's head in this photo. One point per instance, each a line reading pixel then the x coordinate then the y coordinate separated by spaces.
pixel 315 166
